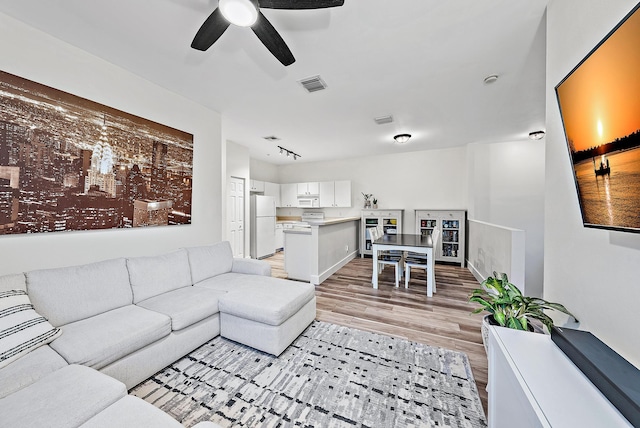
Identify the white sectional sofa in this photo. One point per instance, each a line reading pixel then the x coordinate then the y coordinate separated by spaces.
pixel 123 320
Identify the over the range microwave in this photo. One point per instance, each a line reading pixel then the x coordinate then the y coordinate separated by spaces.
pixel 308 202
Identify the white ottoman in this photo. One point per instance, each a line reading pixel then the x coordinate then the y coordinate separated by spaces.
pixel 268 316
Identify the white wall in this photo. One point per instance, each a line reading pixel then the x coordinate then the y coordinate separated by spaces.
pixel 264 171
pixel 237 165
pixel 499 249
pixel 433 179
pixel 34 55
pixel 506 188
pixel 592 272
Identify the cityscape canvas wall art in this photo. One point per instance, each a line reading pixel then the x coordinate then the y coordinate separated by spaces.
pixel 67 163
pixel 600 107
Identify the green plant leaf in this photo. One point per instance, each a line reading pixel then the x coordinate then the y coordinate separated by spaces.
pixel 500 318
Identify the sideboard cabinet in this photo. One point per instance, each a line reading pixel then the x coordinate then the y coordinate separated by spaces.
pixel 391 221
pixel 452 225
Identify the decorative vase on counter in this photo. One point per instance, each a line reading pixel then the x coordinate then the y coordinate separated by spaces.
pixel 367 204
pixel 375 206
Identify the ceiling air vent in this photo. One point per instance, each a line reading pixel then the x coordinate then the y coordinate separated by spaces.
pixel 313 83
pixel 271 138
pixel 383 119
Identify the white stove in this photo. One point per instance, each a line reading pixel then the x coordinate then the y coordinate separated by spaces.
pixel 307 219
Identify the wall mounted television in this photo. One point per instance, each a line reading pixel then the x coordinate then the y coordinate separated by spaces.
pixel 599 104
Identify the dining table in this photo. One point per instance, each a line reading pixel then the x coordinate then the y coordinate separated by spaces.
pixel 405 242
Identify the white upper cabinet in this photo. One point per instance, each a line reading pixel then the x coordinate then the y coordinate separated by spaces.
pixel 289 195
pixel 307 189
pixel 343 193
pixel 272 189
pixel 257 186
pixel 335 193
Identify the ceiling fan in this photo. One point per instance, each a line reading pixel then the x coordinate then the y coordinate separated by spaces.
pixel 246 13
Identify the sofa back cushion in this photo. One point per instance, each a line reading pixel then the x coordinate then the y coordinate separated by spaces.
pixel 69 294
pixel 21 328
pixel 13 282
pixel 155 275
pixel 210 261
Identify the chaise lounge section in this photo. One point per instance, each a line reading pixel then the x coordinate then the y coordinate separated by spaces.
pixel 123 320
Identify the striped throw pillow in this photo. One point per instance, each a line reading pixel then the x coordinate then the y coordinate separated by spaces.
pixel 22 329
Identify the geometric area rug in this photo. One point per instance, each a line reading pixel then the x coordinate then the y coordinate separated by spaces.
pixel 331 376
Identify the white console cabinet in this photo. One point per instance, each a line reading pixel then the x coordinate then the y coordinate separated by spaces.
pixel 452 225
pixel 390 220
pixel 532 383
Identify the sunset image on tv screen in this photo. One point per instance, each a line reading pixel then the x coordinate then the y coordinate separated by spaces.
pixel 600 107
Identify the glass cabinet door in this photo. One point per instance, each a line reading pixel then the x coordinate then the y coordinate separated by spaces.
pixel 450 238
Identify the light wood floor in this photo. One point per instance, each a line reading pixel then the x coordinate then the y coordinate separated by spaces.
pixel 347 298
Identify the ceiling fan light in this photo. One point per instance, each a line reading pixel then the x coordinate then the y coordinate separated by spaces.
pixel 242 13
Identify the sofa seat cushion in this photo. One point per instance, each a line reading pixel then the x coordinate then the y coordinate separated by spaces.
pixel 65 398
pixel 185 306
pixel 232 282
pixel 271 302
pixel 154 275
pixel 105 338
pixel 29 369
pixel 131 412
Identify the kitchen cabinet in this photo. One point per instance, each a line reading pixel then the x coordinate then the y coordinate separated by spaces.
pixel 307 189
pixel 256 186
pixel 335 193
pixel 391 221
pixel 452 225
pixel 272 189
pixel 289 195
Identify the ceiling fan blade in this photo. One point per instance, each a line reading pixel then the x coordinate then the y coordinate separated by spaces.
pixel 272 40
pixel 210 31
pixel 299 4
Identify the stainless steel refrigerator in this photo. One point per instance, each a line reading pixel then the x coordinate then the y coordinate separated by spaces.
pixel 263 226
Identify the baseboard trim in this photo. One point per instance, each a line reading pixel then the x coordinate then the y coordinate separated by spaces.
pixel 319 279
pixel 475 272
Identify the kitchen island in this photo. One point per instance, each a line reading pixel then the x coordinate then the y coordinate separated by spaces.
pixel 316 251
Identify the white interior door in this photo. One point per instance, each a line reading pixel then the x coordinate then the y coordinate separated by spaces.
pixel 236 215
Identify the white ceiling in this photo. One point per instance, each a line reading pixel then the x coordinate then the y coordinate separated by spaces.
pixel 422 61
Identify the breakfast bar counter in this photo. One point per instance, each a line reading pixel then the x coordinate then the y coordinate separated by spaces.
pixel 317 250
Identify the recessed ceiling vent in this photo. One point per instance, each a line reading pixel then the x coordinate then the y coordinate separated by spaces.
pixel 271 138
pixel 383 119
pixel 313 84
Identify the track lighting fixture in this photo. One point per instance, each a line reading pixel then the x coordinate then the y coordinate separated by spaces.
pixel 289 153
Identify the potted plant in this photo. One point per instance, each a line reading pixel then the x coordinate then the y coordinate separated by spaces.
pixel 375 203
pixel 507 307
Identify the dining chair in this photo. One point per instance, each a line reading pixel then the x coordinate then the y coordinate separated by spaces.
pixel 387 257
pixel 420 261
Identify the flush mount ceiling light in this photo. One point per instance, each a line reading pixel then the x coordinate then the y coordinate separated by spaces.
pixel 402 138
pixel 536 135
pixel 492 78
pixel 242 13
